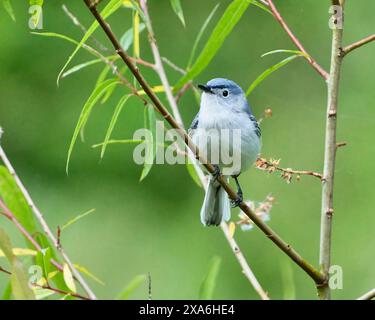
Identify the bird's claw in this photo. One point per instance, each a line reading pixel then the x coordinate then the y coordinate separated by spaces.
pixel 236 203
pixel 217 173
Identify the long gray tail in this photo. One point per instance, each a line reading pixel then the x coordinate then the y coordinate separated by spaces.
pixel 216 206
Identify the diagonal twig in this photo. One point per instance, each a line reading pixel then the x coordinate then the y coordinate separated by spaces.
pixel 273 165
pixel 368 295
pixel 295 40
pixel 267 230
pixel 357 44
pixel 173 101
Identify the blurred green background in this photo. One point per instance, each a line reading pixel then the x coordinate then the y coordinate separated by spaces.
pixel 154 226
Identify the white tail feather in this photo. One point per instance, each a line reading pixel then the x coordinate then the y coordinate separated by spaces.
pixel 216 206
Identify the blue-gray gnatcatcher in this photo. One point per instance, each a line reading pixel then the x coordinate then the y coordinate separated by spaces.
pixel 227 133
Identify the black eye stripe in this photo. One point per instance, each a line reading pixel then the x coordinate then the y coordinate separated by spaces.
pixel 218 87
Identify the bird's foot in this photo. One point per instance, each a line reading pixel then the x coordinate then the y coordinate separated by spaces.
pixel 236 203
pixel 217 173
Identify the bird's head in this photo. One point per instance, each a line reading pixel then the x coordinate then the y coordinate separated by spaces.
pixel 224 93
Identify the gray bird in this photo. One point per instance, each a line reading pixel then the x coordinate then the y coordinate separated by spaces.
pixel 224 130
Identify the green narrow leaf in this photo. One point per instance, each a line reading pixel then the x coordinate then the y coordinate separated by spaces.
pixel 41 293
pixel 88 273
pixel 20 252
pixel 209 283
pixel 68 278
pixel 70 40
pixel 44 243
pixel 227 22
pixel 79 67
pixel 297 52
pixel 193 174
pixel 103 75
pixel 269 71
pixel 55 35
pixel 108 94
pixel 109 9
pixel 7 292
pixel 124 141
pixel 262 6
pixel 86 110
pixel 6 246
pixel 136 46
pixel 18 278
pixel 288 282
pixel 150 124
pixel 9 9
pixel 75 219
pixel 177 8
pixel 43 259
pixel 130 288
pixel 15 201
pixel 200 34
pixel 128 37
pixel 113 122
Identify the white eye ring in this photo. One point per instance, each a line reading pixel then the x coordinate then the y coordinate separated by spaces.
pixel 225 93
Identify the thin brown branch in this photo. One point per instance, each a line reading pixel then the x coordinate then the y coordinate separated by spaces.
pixel 8 214
pixel 368 295
pixel 59 291
pixel 341 144
pixel 357 44
pixel 285 247
pixel 295 40
pixel 287 173
pixel 5 271
pixel 43 223
pixel 330 160
pixel 183 90
pixel 176 113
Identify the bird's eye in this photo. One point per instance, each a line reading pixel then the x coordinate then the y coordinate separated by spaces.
pixel 225 93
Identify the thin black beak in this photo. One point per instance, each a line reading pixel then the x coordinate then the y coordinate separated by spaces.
pixel 205 88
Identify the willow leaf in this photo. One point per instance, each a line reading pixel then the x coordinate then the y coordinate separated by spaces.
pixel 128 37
pixel 9 9
pixel 200 34
pixel 297 52
pixel 150 124
pixel 123 141
pixel 177 8
pixel 86 111
pixel 269 71
pixel 209 283
pixel 113 122
pixel 134 284
pixel 75 219
pixel 227 22
pixel 16 202
pixel 262 6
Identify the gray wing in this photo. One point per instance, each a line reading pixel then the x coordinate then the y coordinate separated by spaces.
pixel 193 125
pixel 256 125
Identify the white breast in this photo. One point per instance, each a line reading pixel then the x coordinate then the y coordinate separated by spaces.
pixel 234 134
